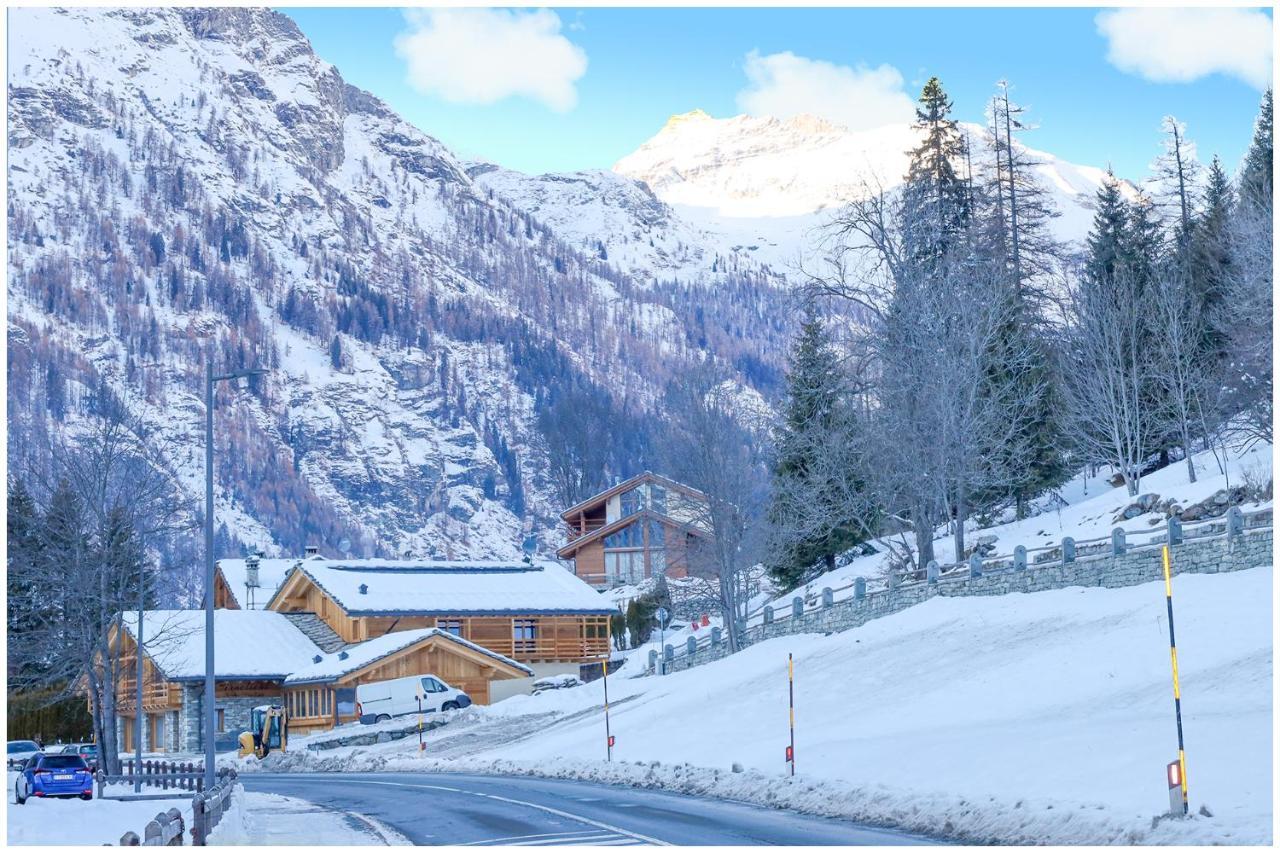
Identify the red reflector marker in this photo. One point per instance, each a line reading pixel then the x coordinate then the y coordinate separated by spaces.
pixel 1175 774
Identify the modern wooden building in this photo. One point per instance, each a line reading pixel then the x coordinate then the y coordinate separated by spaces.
pixel 537 614
pixel 263 657
pixel 645 526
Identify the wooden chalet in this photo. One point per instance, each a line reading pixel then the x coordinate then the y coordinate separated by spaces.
pixel 534 613
pixel 645 526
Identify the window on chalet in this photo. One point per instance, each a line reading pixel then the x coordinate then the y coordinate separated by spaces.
pixel 453 626
pixel 631 536
pixel 624 566
pixel 631 501
pixel 524 634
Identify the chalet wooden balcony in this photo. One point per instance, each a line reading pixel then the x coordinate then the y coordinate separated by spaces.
pixel 156 695
pixel 551 648
pixel 576 530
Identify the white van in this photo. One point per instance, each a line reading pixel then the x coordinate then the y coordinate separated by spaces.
pixel 382 700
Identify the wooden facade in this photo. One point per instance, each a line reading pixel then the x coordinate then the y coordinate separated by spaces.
pixel 645 526
pixel 528 638
pixel 320 706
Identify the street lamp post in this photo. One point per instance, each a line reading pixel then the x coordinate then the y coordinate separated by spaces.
pixel 210 715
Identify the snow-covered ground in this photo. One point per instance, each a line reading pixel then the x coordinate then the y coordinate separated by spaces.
pixel 269 819
pixel 1083 508
pixel 84 822
pixel 1017 718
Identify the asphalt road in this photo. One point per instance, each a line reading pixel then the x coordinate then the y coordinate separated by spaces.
pixel 449 808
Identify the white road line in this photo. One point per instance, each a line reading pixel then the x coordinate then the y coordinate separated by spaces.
pixel 526 837
pixel 579 818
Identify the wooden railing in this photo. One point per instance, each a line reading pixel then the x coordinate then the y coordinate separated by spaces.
pixel 208 807
pixel 155 694
pixel 549 648
pixel 165 775
pixel 164 830
pixel 576 530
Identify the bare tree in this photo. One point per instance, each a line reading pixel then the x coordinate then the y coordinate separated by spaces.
pixel 1108 373
pixel 711 447
pixel 114 506
pixel 1182 371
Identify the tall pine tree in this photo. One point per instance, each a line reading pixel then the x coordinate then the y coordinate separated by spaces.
pixel 808 514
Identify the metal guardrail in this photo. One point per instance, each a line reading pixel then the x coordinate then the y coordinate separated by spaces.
pixel 208 807
pixel 1069 550
pixel 165 830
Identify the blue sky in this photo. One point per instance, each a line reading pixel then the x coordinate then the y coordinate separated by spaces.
pixel 570 89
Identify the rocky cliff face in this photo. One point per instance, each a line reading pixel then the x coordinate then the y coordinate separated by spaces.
pixel 193 184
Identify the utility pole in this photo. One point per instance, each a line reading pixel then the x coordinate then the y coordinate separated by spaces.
pixel 608 736
pixel 137 675
pixel 210 714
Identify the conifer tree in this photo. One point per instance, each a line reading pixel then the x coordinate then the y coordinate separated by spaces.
pixel 807 513
pixel 1255 175
pixel 936 205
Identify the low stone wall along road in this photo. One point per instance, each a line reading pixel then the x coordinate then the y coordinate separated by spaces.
pixel 455 808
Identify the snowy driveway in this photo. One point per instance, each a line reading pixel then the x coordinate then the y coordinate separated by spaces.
pixel 454 808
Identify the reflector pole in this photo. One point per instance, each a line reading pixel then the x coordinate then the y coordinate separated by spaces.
pixel 1177 690
pixel 608 737
pixel 791 707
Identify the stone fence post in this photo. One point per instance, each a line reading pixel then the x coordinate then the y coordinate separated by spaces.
pixel 932 571
pixel 1118 546
pixel 715 635
pixel 768 614
pixel 1068 550
pixel 690 645
pixel 653 660
pixel 975 565
pixel 859 588
pixel 1174 527
pixel 797 606
pixel 1020 558
pixel 828 597
pixel 1235 522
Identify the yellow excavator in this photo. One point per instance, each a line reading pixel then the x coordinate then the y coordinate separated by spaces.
pixel 268 730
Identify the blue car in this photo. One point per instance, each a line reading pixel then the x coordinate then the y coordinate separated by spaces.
pixel 54 776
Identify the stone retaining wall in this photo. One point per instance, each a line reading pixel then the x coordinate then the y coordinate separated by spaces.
pixel 1139 564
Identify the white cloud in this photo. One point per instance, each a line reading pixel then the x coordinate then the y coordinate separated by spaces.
pixel 783 84
pixel 480 56
pixel 1182 45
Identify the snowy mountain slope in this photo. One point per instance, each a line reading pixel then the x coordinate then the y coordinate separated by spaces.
pixel 770 183
pixel 192 184
pixel 617 219
pixel 1025 718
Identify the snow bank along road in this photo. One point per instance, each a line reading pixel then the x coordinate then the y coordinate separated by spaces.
pixel 452 808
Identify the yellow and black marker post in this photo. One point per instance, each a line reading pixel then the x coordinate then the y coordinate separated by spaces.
pixel 791 707
pixel 1177 691
pixel 608 736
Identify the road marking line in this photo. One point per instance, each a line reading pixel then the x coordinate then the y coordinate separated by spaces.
pixel 579 818
pixel 525 837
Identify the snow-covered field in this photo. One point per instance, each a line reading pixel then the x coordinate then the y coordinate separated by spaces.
pixel 1019 718
pixel 82 822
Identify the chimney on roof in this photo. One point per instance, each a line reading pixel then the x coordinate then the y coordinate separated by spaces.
pixel 312 551
pixel 251 571
pixel 364 589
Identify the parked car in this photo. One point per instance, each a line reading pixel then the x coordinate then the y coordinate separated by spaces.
pixel 381 700
pixel 87 751
pixel 20 751
pixel 53 776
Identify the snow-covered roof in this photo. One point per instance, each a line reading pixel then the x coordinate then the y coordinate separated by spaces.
pixel 397 587
pixel 348 660
pixel 271 573
pixel 247 643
